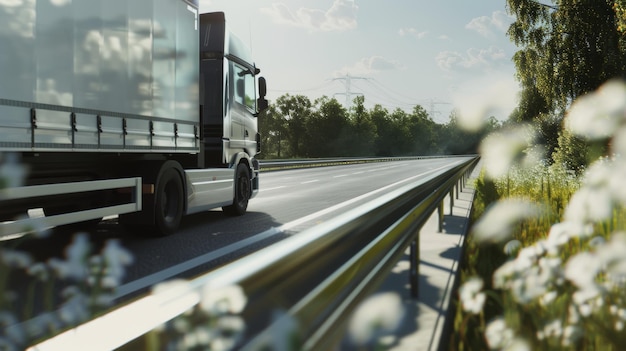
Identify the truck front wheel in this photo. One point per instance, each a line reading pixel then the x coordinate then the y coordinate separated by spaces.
pixel 168 210
pixel 243 191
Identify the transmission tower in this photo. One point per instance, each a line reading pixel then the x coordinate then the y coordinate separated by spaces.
pixel 432 103
pixel 347 82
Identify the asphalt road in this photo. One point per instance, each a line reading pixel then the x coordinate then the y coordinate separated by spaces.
pixel 289 202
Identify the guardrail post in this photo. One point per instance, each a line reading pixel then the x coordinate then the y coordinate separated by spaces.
pixel 459 186
pixel 440 213
pixel 451 200
pixel 415 266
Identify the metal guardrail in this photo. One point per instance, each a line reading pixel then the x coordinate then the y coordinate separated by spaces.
pixel 281 164
pixel 317 277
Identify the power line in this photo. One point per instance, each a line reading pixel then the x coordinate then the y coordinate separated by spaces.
pixel 348 82
pixel 318 87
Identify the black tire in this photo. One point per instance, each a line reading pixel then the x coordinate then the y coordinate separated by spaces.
pixel 168 203
pixel 243 191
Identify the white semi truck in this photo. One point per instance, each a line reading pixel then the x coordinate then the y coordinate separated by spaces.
pixel 145 109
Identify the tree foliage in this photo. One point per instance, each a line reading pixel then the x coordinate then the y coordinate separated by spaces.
pixel 295 127
pixel 567 48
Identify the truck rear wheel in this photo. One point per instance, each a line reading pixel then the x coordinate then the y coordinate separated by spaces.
pixel 243 191
pixel 168 204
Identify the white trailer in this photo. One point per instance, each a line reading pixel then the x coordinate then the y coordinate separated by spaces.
pixel 144 109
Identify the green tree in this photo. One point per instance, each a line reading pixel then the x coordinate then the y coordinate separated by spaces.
pixel 454 140
pixel 361 135
pixel 325 129
pixel 567 48
pixel 273 129
pixel 422 131
pixel 296 111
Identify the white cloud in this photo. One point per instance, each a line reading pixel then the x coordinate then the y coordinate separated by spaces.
pixel 341 16
pixel 412 32
pixel 370 65
pixel 60 2
pixel 499 21
pixel 449 60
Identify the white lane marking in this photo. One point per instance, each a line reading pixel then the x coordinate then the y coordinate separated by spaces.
pixel 310 181
pixel 340 175
pixel 278 187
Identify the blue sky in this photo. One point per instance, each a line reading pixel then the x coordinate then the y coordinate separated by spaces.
pixel 441 54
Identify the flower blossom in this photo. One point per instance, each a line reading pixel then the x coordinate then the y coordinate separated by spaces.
pixel 501 150
pixel 471 296
pixel 225 300
pixel 496 225
pixel 498 334
pixel 378 315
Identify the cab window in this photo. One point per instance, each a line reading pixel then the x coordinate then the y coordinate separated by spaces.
pixel 244 87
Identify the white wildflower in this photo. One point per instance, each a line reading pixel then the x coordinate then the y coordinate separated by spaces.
pixel 230 299
pixel 573 316
pixel 501 150
pixel 471 296
pixel 14 332
pixel 116 259
pixel 498 334
pixel 377 316
pixel 618 174
pixel 512 247
pixel 585 309
pixel 597 115
pixel 15 259
pixel 505 273
pixel 553 329
pixel 104 300
pixel 228 332
pixel 74 267
pixel 43 323
pixel 518 344
pixel 12 172
pixel 611 255
pixel 198 337
pixel 496 224
pixel 582 269
pixel 597 241
pixel 278 338
pixel 621 313
pixel 571 335
pixel 75 309
pixel 618 146
pixel 548 298
pixel 590 204
pixel 530 285
pixel 40 271
pixel 561 233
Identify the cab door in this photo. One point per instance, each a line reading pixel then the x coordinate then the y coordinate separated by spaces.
pixel 238 110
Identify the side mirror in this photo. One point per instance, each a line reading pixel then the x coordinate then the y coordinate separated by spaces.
pixel 262 103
